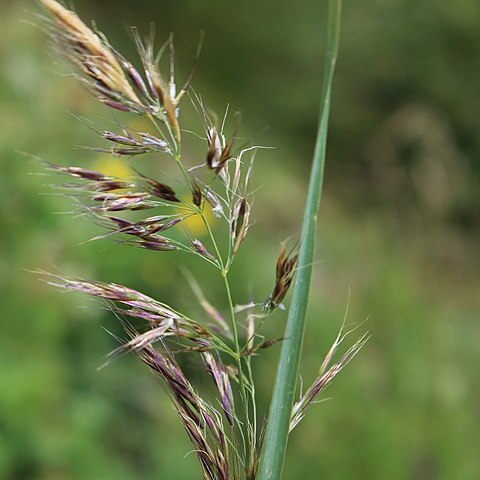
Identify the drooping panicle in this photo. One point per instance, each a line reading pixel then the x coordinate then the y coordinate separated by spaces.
pixel 108 291
pixel 201 423
pixel 164 321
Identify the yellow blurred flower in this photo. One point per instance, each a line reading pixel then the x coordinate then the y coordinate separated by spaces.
pixel 113 166
pixel 194 224
pixel 140 124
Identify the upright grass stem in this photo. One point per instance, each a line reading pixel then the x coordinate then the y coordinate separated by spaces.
pixel 276 436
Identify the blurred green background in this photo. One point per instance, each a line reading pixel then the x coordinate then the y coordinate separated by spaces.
pixel 399 225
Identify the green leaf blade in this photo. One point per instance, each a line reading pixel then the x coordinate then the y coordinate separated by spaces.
pixel 276 436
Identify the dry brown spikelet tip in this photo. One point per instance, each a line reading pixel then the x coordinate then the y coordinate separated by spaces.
pixel 285 271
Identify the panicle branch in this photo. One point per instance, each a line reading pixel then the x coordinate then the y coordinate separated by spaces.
pixel 324 378
pixel 201 422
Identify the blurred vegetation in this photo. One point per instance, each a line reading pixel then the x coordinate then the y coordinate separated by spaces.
pixel 399 226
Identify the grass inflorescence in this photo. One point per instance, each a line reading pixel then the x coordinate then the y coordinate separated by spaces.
pixel 152 213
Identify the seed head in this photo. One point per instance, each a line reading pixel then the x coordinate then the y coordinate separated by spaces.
pixel 93 57
pixel 323 380
pixel 219 151
pixel 222 382
pixel 130 145
pixel 214 201
pixel 240 222
pixel 78 172
pixel 285 271
pixel 197 195
pixel 161 190
pixel 162 92
pixel 115 202
pixel 200 248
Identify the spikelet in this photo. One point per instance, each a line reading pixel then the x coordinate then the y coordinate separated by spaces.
pixel 92 56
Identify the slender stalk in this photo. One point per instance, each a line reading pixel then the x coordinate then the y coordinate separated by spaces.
pixel 236 341
pixel 276 436
pixel 238 359
pixel 252 438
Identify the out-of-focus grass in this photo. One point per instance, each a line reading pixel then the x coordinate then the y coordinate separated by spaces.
pixel 407 406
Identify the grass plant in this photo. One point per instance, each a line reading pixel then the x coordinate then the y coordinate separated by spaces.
pixel 152 213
